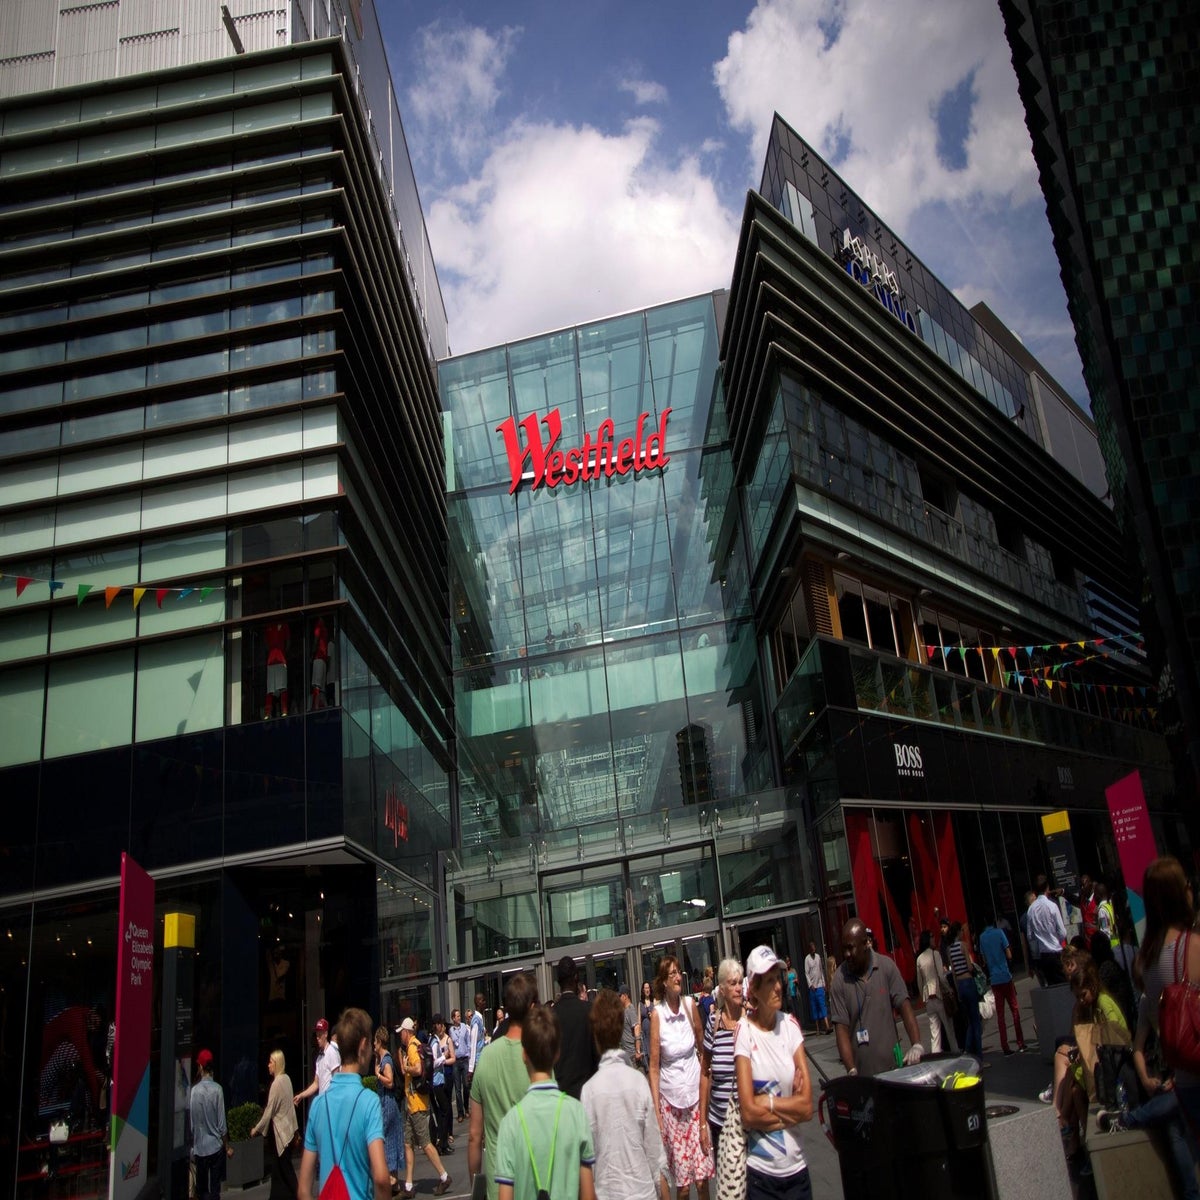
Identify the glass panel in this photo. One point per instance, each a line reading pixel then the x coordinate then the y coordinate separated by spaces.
pixel 22 695
pixel 613 370
pixel 96 519
pixel 185 452
pixel 633 557
pixel 93 622
pixel 89 705
pixel 673 889
pixel 475 391
pixel 111 467
pixel 584 906
pixel 180 687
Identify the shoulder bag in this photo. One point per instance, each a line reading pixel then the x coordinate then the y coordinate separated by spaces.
pixel 1179 1016
pixel 731 1152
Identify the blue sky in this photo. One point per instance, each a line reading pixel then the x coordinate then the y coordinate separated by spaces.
pixel 580 160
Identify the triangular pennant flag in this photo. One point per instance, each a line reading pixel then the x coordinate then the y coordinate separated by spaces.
pixel 929 650
pixel 55 586
pixel 1013 652
pixel 23 581
pixel 160 595
pixel 1029 651
pixel 186 592
pixel 81 593
pixel 205 592
pixel 138 593
pixel 110 594
pixel 1081 645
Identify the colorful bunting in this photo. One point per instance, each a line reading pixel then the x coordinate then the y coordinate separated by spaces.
pixel 112 591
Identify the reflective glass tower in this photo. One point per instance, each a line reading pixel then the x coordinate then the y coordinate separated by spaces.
pixel 1112 107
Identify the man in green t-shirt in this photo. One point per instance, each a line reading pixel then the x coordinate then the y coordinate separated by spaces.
pixel 500 1078
pixel 545 1145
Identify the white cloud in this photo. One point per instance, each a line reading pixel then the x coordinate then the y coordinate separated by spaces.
pixel 871 75
pixel 644 91
pixel 461 68
pixel 565 224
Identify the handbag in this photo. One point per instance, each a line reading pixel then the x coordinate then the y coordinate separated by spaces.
pixel 987 1005
pixel 1114 1066
pixel 1089 1038
pixel 731 1154
pixel 1179 1017
pixel 60 1131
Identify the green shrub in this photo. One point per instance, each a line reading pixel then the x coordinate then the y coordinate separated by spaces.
pixel 240 1120
pixel 369 1081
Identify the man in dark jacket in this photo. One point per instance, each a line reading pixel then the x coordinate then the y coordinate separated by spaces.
pixel 577 1059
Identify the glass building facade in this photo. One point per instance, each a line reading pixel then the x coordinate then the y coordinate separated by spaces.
pixel 222 546
pixel 835 657
pixel 1110 99
pixel 615 787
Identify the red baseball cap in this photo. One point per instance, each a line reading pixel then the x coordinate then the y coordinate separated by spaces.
pixel 322 1026
pixel 204 1058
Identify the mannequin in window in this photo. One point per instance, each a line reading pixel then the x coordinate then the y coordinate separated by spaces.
pixel 277 637
pixel 320 664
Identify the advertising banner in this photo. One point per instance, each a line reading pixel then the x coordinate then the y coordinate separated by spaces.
pixel 130 1130
pixel 1136 848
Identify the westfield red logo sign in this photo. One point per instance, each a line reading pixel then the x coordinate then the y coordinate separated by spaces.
pixel 542 463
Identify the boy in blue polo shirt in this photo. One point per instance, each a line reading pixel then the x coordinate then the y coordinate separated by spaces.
pixel 344 1125
pixel 545 1142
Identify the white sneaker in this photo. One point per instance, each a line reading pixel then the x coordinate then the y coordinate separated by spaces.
pixel 1047 1096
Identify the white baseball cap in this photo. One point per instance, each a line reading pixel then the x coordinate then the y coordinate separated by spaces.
pixel 761 960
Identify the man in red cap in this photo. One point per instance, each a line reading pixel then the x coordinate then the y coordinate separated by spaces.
pixel 329 1062
pixel 210 1138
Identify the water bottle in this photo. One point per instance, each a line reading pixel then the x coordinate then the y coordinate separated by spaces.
pixel 1122 1096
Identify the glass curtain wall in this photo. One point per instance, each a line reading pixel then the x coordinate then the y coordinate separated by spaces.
pixel 595 672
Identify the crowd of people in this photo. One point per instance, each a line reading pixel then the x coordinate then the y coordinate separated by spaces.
pixel 608 1096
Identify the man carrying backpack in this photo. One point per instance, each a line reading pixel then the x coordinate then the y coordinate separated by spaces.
pixel 417 1074
pixel 345 1129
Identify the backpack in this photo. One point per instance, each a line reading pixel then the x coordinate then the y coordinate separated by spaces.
pixel 334 1187
pixel 420 1083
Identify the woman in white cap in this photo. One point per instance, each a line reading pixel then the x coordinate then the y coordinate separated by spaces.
pixel 774 1088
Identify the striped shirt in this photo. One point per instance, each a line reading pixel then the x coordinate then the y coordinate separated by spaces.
pixel 718 1044
pixel 958 959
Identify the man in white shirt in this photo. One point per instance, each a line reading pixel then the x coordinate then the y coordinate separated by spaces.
pixel 1046 933
pixel 329 1063
pixel 814 976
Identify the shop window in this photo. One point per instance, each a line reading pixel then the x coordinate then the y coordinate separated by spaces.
pixel 1009 535
pixel 879 620
pixel 850 609
pixel 936 490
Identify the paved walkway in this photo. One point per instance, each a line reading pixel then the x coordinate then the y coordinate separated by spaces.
pixel 1015 1080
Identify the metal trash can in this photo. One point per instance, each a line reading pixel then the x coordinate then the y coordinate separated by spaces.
pixel 902 1134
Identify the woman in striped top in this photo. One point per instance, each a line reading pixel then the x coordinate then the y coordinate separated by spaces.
pixel 968 993
pixel 717 1072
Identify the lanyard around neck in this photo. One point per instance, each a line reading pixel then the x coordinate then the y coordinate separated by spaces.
pixel 537 1179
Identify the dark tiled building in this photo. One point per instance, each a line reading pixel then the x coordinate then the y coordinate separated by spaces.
pixel 1113 108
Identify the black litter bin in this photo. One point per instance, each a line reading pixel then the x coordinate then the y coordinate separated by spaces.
pixel 897 1139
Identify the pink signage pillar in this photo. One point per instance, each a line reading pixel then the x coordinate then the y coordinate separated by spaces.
pixel 129 1135
pixel 1135 840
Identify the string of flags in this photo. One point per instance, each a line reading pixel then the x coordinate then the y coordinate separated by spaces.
pixel 1134 642
pixel 112 591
